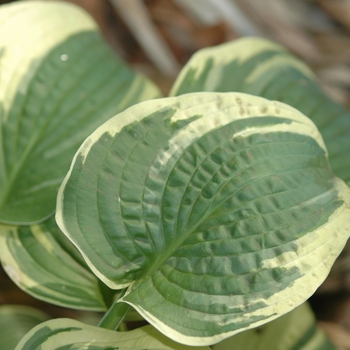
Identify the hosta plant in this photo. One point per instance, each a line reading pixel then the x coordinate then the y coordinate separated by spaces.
pixel 210 204
pixel 211 212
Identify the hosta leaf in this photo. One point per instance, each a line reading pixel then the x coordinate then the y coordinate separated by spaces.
pixel 66 334
pixel 15 322
pixel 259 67
pixel 58 82
pixel 219 211
pixel 294 331
pixel 38 265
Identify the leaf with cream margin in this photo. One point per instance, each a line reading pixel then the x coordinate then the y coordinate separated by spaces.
pixel 297 330
pixel 36 262
pixel 66 334
pixel 259 67
pixel 15 322
pixel 218 211
pixel 59 81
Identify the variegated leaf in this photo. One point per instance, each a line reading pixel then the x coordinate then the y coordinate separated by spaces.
pixel 38 264
pixel 66 334
pixel 219 212
pixel 15 322
pixel 297 330
pixel 58 82
pixel 260 67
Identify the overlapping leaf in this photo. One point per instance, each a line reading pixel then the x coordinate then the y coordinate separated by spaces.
pixel 73 335
pixel 35 261
pixel 218 211
pixel 293 331
pixel 59 81
pixel 15 322
pixel 259 67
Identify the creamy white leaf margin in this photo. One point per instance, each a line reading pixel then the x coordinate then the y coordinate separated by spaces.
pixel 238 51
pixel 67 332
pixel 11 246
pixel 20 58
pixel 317 251
pixel 217 109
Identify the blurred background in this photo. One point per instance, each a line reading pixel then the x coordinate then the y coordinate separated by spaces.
pixel 157 37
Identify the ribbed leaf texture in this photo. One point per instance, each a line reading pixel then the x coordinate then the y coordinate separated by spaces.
pixel 259 67
pixel 218 211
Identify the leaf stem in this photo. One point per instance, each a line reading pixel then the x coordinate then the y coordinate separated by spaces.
pixel 115 314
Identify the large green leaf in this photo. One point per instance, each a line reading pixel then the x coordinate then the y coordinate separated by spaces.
pixel 66 334
pixel 42 268
pixel 297 330
pixel 259 67
pixel 219 211
pixel 15 322
pixel 59 81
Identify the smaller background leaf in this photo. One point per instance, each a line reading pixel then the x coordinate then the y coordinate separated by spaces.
pixel 41 267
pixel 65 82
pixel 15 322
pixel 293 331
pixel 52 335
pixel 255 66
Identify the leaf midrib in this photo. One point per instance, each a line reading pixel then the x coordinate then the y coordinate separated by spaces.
pixel 173 247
